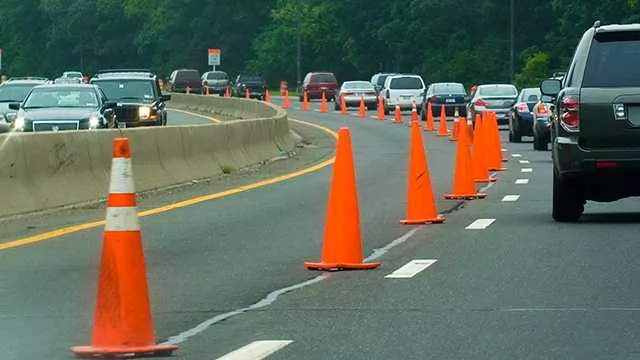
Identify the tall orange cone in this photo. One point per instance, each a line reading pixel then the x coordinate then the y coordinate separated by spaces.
pixel 342 246
pixel 187 89
pixel 362 111
pixel 442 130
pixel 464 186
pixel 421 205
pixel 206 90
pixel 343 106
pixel 287 103
pixel 430 125
pixel 305 101
pixel 381 116
pixel 414 113
pixel 227 92
pixel 122 323
pixel 267 95
pixel 494 147
pixel 323 104
pixel 398 115
pixel 478 153
pixel 456 129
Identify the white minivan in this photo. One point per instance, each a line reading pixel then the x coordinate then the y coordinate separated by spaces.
pixel 403 90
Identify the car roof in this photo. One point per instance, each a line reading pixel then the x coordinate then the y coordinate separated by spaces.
pixel 66 86
pixel 125 76
pixel 495 85
pixel 618 28
pixel 364 82
pixel 25 81
pixel 446 83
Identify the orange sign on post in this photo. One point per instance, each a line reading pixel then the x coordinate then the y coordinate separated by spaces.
pixel 214 57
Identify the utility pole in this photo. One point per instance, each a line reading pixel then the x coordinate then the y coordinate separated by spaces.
pixel 512 51
pixel 299 46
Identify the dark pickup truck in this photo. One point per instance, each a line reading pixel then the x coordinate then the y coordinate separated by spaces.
pixel 254 84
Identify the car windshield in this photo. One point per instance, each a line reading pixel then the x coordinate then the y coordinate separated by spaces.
pixel 57 97
pixel 14 93
pixel 382 79
pixel 613 61
pixel 118 89
pixel 73 74
pixel 251 78
pixel 530 95
pixel 452 88
pixel 323 78
pixel 497 90
pixel 360 85
pixel 408 82
pixel 216 76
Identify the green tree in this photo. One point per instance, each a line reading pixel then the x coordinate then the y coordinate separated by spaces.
pixel 534 71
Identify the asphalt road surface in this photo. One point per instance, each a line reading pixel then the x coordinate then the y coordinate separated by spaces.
pixel 507 282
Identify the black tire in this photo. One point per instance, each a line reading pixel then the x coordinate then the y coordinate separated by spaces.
pixel 515 136
pixel 336 106
pixel 539 143
pixel 568 204
pixel 371 107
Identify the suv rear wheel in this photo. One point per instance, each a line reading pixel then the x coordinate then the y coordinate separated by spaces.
pixel 568 204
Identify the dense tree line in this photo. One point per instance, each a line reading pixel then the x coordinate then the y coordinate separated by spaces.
pixel 444 40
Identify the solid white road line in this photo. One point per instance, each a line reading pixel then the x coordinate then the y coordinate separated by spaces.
pixel 257 350
pixel 510 198
pixel 516 155
pixel 480 224
pixel 522 181
pixel 410 269
pixel 526 170
pixel 525 162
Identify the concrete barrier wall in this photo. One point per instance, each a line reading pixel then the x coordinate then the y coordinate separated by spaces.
pixel 49 170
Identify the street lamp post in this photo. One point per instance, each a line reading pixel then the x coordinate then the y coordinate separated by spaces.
pixel 512 51
pixel 298 46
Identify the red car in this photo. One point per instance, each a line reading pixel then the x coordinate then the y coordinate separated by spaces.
pixel 315 83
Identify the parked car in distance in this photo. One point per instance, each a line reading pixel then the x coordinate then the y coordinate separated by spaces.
pixel 76 75
pixel 596 121
pixel 255 84
pixel 216 81
pixel 378 80
pixel 452 96
pixel 542 123
pixel 317 83
pixel 402 90
pixel 352 91
pixel 498 98
pixel 521 114
pixel 137 94
pixel 181 78
pixel 14 90
pixel 62 107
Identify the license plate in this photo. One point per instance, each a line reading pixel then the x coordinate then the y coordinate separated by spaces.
pixel 450 100
pixel 405 97
pixel 122 125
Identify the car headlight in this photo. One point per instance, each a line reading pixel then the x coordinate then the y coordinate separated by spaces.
pixel 10 116
pixel 144 112
pixel 18 123
pixel 94 121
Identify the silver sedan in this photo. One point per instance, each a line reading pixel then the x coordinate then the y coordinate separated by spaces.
pixel 352 91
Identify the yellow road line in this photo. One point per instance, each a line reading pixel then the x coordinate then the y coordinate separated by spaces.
pixel 189 202
pixel 210 118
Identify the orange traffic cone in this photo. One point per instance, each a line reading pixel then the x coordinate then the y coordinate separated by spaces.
pixel 414 113
pixel 287 103
pixel 323 104
pixel 122 324
pixel 464 186
pixel 398 115
pixel 343 106
pixel 456 129
pixel 442 130
pixel 381 116
pixel 421 205
pixel 363 111
pixel 187 89
pixel 206 90
pixel 342 246
pixel 494 147
pixel 430 126
pixel 305 101
pixel 246 94
pixel 267 96
pixel 478 153
pixel 227 92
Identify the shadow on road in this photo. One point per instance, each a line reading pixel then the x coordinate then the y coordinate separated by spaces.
pixel 611 218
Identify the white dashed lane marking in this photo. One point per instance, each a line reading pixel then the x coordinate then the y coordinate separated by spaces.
pixel 524 162
pixel 510 198
pixel 480 224
pixel 257 350
pixel 410 269
pixel 526 170
pixel 522 181
pixel 516 155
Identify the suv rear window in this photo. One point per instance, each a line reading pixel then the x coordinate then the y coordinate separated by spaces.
pixel 613 61
pixel 500 90
pixel 449 89
pixel 323 78
pixel 217 76
pixel 191 76
pixel 405 83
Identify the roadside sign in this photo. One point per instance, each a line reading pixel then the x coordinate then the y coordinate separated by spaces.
pixel 214 57
pixel 0 58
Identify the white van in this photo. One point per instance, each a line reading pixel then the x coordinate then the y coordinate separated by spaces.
pixel 403 90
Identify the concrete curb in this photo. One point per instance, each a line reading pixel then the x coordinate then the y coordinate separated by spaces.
pixel 49 170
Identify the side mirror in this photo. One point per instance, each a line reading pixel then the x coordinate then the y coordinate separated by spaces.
pixel 165 97
pixel 108 113
pixel 14 106
pixel 551 87
pixel 110 104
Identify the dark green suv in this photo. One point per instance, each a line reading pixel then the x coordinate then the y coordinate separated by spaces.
pixel 596 121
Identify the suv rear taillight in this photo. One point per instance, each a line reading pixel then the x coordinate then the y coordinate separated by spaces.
pixel 570 112
pixel 481 102
pixel 387 94
pixel 523 108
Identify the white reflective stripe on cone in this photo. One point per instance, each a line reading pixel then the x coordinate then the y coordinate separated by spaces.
pixel 122 219
pixel 121 177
